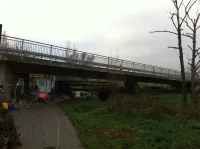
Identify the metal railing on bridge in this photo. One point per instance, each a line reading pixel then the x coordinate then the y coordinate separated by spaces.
pixel 75 58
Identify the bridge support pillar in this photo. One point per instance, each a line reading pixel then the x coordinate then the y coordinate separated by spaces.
pixel 8 77
pixel 131 87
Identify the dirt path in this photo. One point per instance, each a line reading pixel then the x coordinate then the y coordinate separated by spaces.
pixel 39 127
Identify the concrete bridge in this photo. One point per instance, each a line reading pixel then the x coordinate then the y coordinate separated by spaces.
pixel 20 57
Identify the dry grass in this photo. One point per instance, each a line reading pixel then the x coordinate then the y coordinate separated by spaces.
pixel 151 106
pixel 116 133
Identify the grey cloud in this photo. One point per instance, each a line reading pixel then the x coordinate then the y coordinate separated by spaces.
pixel 139 45
pixel 136 43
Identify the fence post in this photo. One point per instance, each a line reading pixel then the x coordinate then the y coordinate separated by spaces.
pixel 22 49
pixel 66 54
pixel 154 73
pixel 22 44
pixel 51 48
pixel 133 67
pixel 73 57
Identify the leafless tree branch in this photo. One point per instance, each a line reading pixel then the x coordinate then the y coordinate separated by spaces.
pixel 198 27
pixel 172 47
pixel 197 18
pixel 186 35
pixel 197 67
pixel 188 57
pixel 198 49
pixel 190 47
pixel 197 64
pixel 198 8
pixel 189 34
pixel 164 31
pixel 186 22
pixel 172 18
pixel 187 9
pixel 181 4
pixel 175 3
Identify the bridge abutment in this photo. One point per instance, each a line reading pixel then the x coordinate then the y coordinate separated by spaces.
pixel 131 87
pixel 9 78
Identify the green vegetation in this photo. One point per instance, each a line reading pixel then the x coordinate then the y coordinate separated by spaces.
pixel 142 85
pixel 142 122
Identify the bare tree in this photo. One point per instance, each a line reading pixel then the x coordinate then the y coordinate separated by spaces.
pixel 194 64
pixel 178 21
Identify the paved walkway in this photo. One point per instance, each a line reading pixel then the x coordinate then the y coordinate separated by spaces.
pixel 39 127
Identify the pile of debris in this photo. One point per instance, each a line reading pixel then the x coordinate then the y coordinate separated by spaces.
pixel 8 134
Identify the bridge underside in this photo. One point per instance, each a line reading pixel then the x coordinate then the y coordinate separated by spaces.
pixel 19 67
pixel 32 65
pixel 43 67
pixel 13 67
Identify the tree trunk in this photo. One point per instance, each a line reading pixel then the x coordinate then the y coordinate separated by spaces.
pixel 184 88
pixel 193 68
pixel 193 95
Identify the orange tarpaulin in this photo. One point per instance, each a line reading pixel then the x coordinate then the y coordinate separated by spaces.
pixel 42 95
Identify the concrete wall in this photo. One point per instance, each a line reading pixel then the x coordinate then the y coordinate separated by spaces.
pixel 2 72
pixel 8 77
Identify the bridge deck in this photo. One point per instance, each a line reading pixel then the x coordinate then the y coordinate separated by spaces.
pixel 82 60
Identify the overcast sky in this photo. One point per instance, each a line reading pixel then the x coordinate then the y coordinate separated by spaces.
pixel 98 26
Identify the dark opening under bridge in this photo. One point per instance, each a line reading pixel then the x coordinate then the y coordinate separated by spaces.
pixel 26 56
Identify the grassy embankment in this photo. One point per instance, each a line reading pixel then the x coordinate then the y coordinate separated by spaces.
pixel 153 122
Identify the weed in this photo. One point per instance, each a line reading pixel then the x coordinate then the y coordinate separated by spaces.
pixel 154 122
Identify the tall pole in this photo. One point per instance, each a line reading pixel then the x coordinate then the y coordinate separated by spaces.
pixel 0 32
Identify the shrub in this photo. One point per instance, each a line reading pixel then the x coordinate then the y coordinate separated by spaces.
pixel 104 94
pixel 154 107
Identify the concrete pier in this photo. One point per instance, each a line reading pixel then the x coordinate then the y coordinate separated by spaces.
pixel 132 87
pixel 9 77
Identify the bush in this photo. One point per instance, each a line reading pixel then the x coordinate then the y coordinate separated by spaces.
pixel 104 94
pixel 153 107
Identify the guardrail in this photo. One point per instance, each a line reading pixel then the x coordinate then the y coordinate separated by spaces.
pixel 52 53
